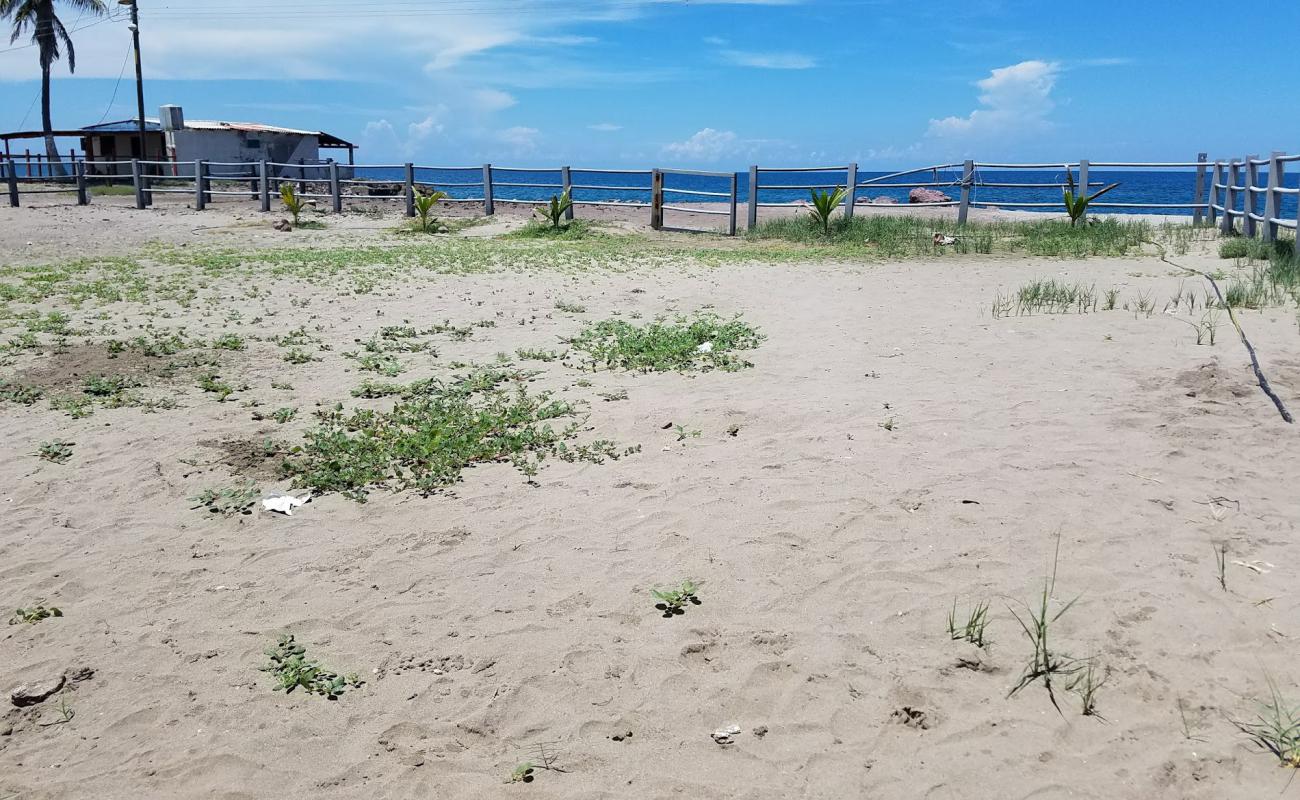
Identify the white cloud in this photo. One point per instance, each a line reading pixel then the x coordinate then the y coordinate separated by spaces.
pixel 705 145
pixel 605 127
pixel 489 100
pixel 716 41
pixel 745 58
pixel 521 140
pixel 1013 100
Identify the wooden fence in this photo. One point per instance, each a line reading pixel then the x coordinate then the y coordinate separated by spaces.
pixel 1223 192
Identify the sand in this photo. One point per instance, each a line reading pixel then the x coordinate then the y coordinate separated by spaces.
pixel 502 617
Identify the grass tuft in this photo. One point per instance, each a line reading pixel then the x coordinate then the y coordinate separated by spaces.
pixel 698 343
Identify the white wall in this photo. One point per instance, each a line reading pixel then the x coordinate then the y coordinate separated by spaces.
pixel 242 146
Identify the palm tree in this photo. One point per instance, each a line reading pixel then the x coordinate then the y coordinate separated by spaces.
pixel 47 33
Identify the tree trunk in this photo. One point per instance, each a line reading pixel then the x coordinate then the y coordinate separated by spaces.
pixel 51 149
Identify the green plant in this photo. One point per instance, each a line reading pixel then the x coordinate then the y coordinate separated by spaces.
pixel 1077 205
pixel 1276 728
pixel 292 669
pixel 424 205
pixel 683 433
pixel 701 342
pixel 1086 684
pixel 824 203
pixel 292 202
pixel 972 630
pixel 1112 297
pixel 555 211
pixel 522 773
pixel 107 385
pixel 283 415
pixel 1047 664
pixel 229 341
pixel 228 500
pixel 56 451
pixel 570 308
pixel 613 397
pixel 210 382
pixel 533 354
pixel 385 365
pixel 33 615
pixel 297 356
pixel 673 601
pixel 20 394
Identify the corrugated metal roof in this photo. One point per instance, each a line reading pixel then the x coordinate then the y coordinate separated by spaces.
pixel 130 126
pixel 123 126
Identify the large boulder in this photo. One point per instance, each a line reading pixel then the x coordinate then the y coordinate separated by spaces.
pixel 927 196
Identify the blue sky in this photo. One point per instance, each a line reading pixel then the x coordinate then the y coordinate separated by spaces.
pixel 707 83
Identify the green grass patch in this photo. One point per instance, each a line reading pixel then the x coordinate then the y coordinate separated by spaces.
pixel 575 229
pixel 696 343
pixel 436 431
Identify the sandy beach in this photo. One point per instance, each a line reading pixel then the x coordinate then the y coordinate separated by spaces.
pixel 893 450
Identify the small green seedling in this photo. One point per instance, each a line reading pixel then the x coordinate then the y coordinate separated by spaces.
pixel 229 341
pixel 56 451
pixel 1077 205
pixel 1276 729
pixel 1047 663
pixel 424 204
pixel 555 211
pixel 973 629
pixel 33 615
pixel 673 601
pixel 293 670
pixel 1087 684
pixel 228 500
pixel 522 773
pixel 683 434
pixel 283 415
pixel 824 204
pixel 292 202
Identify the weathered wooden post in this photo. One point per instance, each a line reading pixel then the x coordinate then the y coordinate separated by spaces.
pixel 264 185
pixel 851 191
pixel 1230 196
pixel 200 196
pixel 11 177
pixel 1198 195
pixel 336 193
pixel 753 198
pixel 409 189
pixel 1248 226
pixel 566 186
pixel 79 171
pixel 656 199
pixel 138 180
pixel 489 208
pixel 302 177
pixel 1272 198
pixel 731 217
pixel 1216 178
pixel 1084 169
pixel 967 181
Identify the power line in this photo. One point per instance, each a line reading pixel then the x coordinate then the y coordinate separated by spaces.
pixel 114 17
pixel 120 73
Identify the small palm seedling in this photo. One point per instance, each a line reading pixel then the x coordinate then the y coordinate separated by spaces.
pixel 293 670
pixel 56 451
pixel 424 205
pixel 33 615
pixel 1086 684
pixel 824 204
pixel 1047 664
pixel 554 211
pixel 1076 205
pixel 1276 728
pixel 972 630
pixel 293 203
pixel 673 601
pixel 228 500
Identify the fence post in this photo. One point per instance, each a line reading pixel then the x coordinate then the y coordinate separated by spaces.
pixel 1198 197
pixel 656 199
pixel 409 189
pixel 566 184
pixel 79 170
pixel 11 177
pixel 967 181
pixel 731 217
pixel 1084 170
pixel 1216 178
pixel 336 193
pixel 1272 199
pixel 851 190
pixel 753 197
pixel 138 181
pixel 264 185
pixel 200 197
pixel 489 208
pixel 1248 205
pixel 1230 197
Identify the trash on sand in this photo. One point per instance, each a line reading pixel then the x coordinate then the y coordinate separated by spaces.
pixel 707 347
pixel 724 734
pixel 283 503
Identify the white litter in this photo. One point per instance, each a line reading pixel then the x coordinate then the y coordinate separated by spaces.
pixel 284 503
pixel 707 347
pixel 723 735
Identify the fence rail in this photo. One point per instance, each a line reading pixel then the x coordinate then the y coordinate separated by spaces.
pixel 1250 190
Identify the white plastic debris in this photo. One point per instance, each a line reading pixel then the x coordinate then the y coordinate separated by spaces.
pixel 284 503
pixel 707 347
pixel 724 734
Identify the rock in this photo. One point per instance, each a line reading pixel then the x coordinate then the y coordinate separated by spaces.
pixel 30 694
pixel 283 225
pixel 885 200
pixel 760 731
pixel 415 759
pixel 443 229
pixel 927 196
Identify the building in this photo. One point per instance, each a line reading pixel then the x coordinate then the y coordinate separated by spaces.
pixel 176 139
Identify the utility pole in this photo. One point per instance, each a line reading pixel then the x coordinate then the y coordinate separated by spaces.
pixel 139 72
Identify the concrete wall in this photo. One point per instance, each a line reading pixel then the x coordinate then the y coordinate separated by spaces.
pixel 243 146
